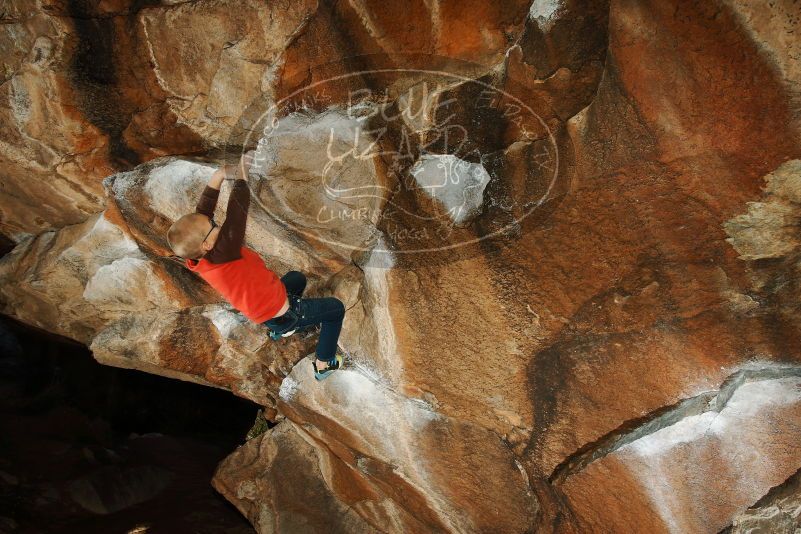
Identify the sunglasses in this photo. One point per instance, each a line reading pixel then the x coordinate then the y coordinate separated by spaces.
pixel 213 226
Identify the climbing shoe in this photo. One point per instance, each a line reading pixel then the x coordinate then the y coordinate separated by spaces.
pixel 276 336
pixel 333 365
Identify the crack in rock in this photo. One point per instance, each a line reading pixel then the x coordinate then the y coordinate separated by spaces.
pixel 634 429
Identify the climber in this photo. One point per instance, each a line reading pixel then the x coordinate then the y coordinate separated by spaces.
pixel 217 253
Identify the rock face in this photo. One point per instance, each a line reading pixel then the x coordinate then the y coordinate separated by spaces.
pixel 93 282
pixel 778 511
pixel 639 471
pixel 255 479
pixel 81 102
pixel 566 233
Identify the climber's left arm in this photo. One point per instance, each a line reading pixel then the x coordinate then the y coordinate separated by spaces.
pixel 210 194
pixel 232 232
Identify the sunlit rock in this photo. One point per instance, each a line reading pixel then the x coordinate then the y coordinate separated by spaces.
pixel 678 479
pixel 531 344
pixel 770 228
pixel 411 457
pixel 778 511
pixel 254 479
pixel 214 59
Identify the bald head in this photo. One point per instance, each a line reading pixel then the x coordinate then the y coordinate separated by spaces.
pixel 186 235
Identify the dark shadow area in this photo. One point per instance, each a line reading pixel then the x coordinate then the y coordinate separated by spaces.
pixel 6 245
pixel 90 448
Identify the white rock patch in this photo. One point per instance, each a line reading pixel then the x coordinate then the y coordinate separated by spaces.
pixel 544 11
pixel 224 320
pixel 685 431
pixel 459 185
pixel 289 387
pixel 170 187
pixel 127 284
pixel 100 244
pixel 749 400
pixel 332 146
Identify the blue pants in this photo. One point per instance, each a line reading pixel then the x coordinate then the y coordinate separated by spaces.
pixel 328 312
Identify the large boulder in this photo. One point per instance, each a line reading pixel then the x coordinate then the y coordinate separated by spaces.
pixel 392 459
pixel 254 478
pixel 778 511
pixel 94 87
pixel 212 59
pixel 82 103
pixel 673 473
pixel 103 282
pixel 566 234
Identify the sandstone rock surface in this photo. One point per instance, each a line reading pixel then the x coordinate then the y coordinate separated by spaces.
pixel 566 234
pixel 778 511
pixel 678 478
pixel 101 282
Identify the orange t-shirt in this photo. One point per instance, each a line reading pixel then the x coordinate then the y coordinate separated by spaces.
pixel 246 283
